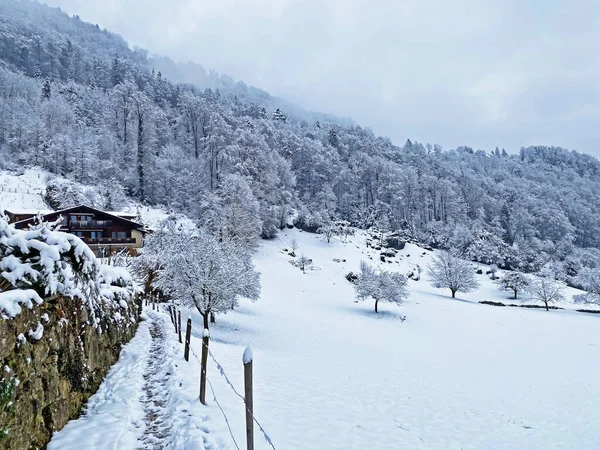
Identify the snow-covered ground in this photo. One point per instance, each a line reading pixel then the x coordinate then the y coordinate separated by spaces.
pixel 146 401
pixel 331 374
pixel 23 191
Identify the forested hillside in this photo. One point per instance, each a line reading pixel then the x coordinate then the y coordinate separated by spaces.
pixel 77 101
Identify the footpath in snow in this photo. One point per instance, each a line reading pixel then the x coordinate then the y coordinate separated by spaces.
pixel 149 400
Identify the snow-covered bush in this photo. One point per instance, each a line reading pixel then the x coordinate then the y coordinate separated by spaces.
pixel 303 263
pixel 449 271
pixel 380 285
pixel 42 262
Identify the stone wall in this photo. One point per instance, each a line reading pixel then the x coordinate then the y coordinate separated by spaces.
pixel 47 376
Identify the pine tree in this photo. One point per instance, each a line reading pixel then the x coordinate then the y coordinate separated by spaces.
pixel 46 90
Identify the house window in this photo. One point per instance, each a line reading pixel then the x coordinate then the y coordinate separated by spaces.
pixel 79 234
pixel 119 234
pixel 96 234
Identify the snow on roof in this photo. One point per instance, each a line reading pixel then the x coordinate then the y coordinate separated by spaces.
pixel 24 212
pixel 121 214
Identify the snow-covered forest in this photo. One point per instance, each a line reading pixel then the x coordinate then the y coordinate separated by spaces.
pixel 75 100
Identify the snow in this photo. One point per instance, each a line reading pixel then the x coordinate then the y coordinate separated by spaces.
pixel 23 192
pixel 333 374
pixel 248 356
pixel 38 333
pixel 11 301
pixel 123 414
pixel 455 374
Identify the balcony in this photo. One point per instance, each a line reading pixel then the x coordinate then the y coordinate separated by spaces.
pixel 108 241
pixel 90 224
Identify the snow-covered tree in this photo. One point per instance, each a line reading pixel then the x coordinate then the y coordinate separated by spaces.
pixel 589 280
pixel 232 214
pixel 448 271
pixel 493 271
pixel 546 290
pixel 329 230
pixel 380 285
pixel 201 272
pixel 513 281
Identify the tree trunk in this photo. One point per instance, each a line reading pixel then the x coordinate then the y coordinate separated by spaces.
pixel 546 303
pixel 212 318
pixel 515 294
pixel 204 358
pixel 453 293
pixel 376 303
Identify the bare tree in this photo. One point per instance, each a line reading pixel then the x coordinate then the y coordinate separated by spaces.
pixel 448 271
pixel 328 231
pixel 294 246
pixel 546 290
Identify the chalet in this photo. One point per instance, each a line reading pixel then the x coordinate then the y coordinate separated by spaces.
pixel 105 232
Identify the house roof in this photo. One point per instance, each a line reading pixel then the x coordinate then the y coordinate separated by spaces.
pixel 89 209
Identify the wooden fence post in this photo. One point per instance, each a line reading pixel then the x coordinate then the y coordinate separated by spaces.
pixel 179 325
pixel 188 334
pixel 248 395
pixel 175 318
pixel 203 364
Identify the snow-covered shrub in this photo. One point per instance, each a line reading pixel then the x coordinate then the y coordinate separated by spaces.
pixel 303 263
pixel 351 277
pixel 309 221
pixel 42 262
pixel 65 194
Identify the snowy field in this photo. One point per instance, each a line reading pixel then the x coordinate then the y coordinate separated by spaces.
pixel 332 374
pixel 24 191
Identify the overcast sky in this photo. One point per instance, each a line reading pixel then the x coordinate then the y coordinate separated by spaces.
pixel 503 73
